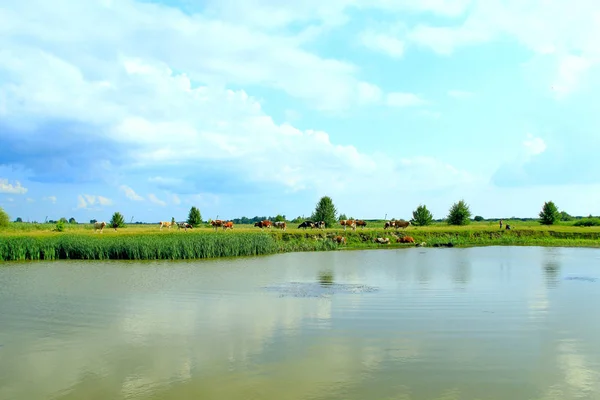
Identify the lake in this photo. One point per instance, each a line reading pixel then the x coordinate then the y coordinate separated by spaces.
pixel 491 323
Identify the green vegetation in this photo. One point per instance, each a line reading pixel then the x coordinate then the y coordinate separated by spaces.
pixel 194 217
pixel 421 216
pixel 459 214
pixel 325 211
pixel 588 222
pixel 117 221
pixel 4 219
pixel 549 214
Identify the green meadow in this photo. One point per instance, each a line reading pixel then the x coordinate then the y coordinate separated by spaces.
pixel 29 241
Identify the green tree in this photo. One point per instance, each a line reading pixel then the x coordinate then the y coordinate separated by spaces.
pixel 93 221
pixel 325 211
pixel 459 214
pixel 342 217
pixel 194 217
pixel 280 218
pixel 478 218
pixel 172 220
pixel 549 214
pixel 72 220
pixel 421 216
pixel 4 219
pixel 64 220
pixel 19 219
pixel 564 216
pixel 117 221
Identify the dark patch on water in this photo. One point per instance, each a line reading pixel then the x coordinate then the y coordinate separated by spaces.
pixel 315 289
pixel 580 278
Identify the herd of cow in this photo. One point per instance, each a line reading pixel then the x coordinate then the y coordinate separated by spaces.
pixel 217 223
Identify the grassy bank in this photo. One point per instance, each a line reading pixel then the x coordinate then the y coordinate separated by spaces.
pixel 146 242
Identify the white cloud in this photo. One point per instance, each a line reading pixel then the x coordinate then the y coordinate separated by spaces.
pixel 386 43
pixel 534 145
pixel 87 201
pixel 51 199
pixel 152 197
pixel 460 94
pixel 398 99
pixel 15 188
pixel 130 193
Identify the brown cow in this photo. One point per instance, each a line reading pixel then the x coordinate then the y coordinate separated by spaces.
pixel 280 225
pixel 362 223
pixel 216 223
pixel 165 223
pixel 339 239
pixel 264 224
pixel 405 239
pixel 401 224
pixel 228 224
pixel 348 222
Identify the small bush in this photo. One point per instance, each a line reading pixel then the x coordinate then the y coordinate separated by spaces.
pixel 588 222
pixel 4 219
pixel 60 226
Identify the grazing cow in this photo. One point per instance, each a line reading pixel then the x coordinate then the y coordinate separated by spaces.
pixel 348 222
pixel 306 224
pixel 228 224
pixel 362 223
pixel 382 240
pixel 401 224
pixel 99 225
pixel 280 225
pixel 320 224
pixel 264 224
pixel 165 223
pixel 216 223
pixel 184 225
pixel 405 239
pixel 339 239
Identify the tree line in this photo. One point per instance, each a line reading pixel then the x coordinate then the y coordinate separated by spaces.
pixel 325 210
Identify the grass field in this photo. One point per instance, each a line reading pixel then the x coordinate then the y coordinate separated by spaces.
pixel 22 241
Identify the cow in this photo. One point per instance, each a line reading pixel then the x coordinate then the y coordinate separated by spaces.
pixel 306 224
pixel 165 223
pixel 339 239
pixel 99 225
pixel 362 223
pixel 280 224
pixel 184 225
pixel 348 222
pixel 320 224
pixel 382 240
pixel 264 224
pixel 401 224
pixel 216 223
pixel 227 224
pixel 405 239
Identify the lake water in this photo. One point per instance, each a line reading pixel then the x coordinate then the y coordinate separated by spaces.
pixel 495 323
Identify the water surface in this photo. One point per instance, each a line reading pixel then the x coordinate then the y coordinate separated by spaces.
pixel 413 324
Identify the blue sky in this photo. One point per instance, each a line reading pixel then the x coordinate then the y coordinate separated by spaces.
pixel 258 107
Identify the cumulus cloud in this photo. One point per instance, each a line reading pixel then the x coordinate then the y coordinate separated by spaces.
pixel 386 43
pixel 130 193
pixel 88 201
pixel 16 188
pixel 152 197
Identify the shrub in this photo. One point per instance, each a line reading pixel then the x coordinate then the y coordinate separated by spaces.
pixel 478 218
pixel 549 214
pixel 4 219
pixel 421 216
pixel 459 214
pixel 588 222
pixel 60 226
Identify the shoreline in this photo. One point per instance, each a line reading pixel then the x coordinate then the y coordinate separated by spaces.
pixel 207 244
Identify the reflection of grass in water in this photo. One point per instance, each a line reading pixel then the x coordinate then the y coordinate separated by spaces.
pixel 326 278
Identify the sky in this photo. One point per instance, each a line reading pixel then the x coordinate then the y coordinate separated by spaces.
pixel 261 107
